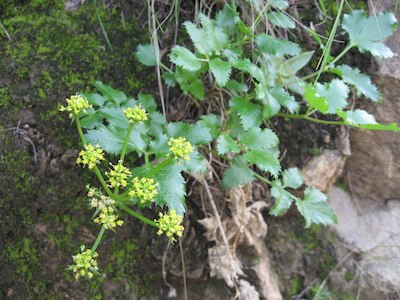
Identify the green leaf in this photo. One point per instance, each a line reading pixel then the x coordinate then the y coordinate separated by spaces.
pixel 246 65
pixel 280 19
pixel 195 164
pixel 292 178
pixel 212 122
pixel 221 71
pixel 184 58
pixel 238 173
pixel 225 144
pixel 357 117
pixel 335 93
pixel 294 64
pixel 156 123
pixel 266 160
pixel 147 102
pixel 279 4
pixel 314 100
pixel 315 209
pixel 390 127
pixel 197 134
pixel 227 18
pixel 171 188
pixel 146 54
pixel 249 113
pixel 94 98
pixel 276 47
pixel 169 79
pixel 367 33
pixel 159 146
pixel 92 121
pixel 236 87
pixel 110 93
pixel 270 103
pixel 256 138
pixel 111 139
pixel 209 39
pixel 285 99
pixel 362 82
pixel 283 201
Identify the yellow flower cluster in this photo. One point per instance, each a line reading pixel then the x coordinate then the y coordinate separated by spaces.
pixel 170 224
pixel 75 105
pixel 85 263
pixel 97 199
pixel 91 156
pixel 136 114
pixel 180 148
pixel 144 188
pixel 119 175
pixel 108 219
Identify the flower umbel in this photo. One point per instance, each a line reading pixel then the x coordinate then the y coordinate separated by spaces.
pixel 170 224
pixel 135 114
pixel 91 156
pixel 117 177
pixel 75 105
pixel 180 148
pixel 85 263
pixel 144 188
pixel 108 219
pixel 97 199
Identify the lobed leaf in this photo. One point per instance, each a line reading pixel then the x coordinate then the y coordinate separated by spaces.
pixel 110 93
pixel 276 47
pixel 335 94
pixel 221 71
pixel 280 19
pixel 367 33
pixel 238 173
pixel 265 160
pixel 283 201
pixel 315 209
pixel 292 178
pixel 255 138
pixel 184 58
pixel 225 144
pixel 147 55
pixel 249 113
pixel 360 81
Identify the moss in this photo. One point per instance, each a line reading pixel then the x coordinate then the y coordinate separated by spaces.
pixel 295 286
pixel 24 257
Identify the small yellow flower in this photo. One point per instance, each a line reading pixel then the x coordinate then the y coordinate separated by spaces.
pixel 91 156
pixel 170 224
pixel 76 105
pixel 180 148
pixel 108 219
pixel 119 175
pixel 135 114
pixel 144 188
pixel 85 263
pixel 97 199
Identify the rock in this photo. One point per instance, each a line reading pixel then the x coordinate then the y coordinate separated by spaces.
pixel 27 117
pixel 376 236
pixel 323 170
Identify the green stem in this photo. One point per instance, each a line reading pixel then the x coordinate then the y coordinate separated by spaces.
pixel 137 215
pixel 125 146
pixel 345 50
pixel 96 169
pixel 123 152
pixel 305 117
pixel 146 159
pixel 98 239
pixel 262 178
